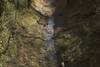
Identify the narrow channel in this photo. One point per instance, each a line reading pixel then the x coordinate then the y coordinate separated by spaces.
pixel 49 43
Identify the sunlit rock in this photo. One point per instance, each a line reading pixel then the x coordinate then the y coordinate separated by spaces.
pixel 45 7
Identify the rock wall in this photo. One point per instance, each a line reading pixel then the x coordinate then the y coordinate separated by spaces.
pixel 77 33
pixel 21 37
pixel 22 24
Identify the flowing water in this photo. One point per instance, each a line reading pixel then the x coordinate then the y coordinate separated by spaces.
pixel 49 43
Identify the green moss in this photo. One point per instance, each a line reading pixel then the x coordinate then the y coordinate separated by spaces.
pixel 4 36
pixel 13 48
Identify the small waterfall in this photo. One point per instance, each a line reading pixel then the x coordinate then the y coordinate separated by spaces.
pixel 49 43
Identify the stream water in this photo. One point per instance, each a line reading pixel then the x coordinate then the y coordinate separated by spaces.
pixel 49 43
